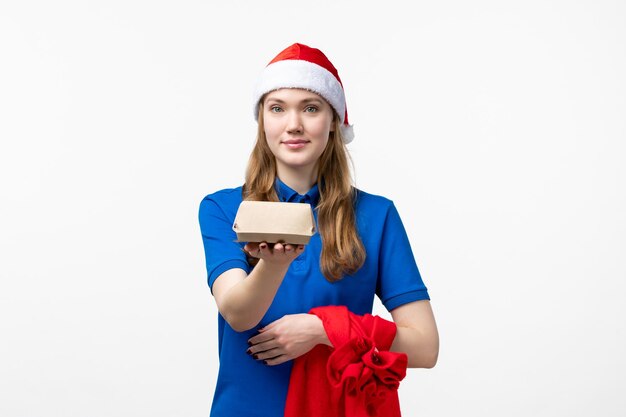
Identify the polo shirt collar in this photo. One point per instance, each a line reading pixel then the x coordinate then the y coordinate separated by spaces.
pixel 287 194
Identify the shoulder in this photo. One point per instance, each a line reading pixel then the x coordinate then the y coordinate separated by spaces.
pixel 367 201
pixel 373 212
pixel 376 208
pixel 226 195
pixel 377 212
pixel 225 201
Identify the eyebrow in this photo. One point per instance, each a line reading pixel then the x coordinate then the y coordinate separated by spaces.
pixel 305 101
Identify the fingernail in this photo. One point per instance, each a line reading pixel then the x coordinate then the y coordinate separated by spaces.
pixel 265 362
pixel 249 343
pixel 249 352
pixel 255 356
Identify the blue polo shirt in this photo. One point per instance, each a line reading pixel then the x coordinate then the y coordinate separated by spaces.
pixel 247 387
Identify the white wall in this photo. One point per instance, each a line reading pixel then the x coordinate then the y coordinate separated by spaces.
pixel 498 128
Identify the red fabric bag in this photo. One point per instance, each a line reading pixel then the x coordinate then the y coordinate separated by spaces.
pixel 358 377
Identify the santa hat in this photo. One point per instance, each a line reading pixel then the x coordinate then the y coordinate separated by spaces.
pixel 300 66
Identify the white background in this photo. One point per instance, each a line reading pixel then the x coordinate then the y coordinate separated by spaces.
pixel 498 129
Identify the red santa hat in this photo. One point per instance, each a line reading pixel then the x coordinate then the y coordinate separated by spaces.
pixel 300 66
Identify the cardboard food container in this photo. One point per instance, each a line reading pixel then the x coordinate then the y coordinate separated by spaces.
pixel 268 221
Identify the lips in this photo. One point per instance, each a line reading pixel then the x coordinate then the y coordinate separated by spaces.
pixel 295 143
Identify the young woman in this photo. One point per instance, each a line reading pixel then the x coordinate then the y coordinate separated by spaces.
pixel 263 292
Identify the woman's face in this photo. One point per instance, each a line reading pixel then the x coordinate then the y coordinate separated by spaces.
pixel 297 125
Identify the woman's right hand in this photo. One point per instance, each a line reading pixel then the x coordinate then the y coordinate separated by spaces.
pixel 242 298
pixel 277 254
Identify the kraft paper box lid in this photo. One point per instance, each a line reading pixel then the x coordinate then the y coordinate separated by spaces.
pixel 268 221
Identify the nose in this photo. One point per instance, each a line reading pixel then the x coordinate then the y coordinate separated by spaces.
pixel 294 122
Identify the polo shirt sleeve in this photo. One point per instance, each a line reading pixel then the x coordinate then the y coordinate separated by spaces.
pixel 399 280
pixel 220 249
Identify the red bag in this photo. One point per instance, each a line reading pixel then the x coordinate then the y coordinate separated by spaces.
pixel 359 377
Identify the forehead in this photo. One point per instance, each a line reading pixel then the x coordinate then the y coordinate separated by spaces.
pixel 293 94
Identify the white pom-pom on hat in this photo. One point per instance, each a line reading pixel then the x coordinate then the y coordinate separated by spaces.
pixel 300 66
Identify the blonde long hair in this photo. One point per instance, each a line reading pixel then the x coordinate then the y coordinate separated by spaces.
pixel 342 249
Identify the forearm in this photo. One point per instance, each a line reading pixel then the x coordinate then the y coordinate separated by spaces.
pixel 421 346
pixel 244 305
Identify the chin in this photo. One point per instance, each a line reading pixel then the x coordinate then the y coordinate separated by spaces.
pixel 297 162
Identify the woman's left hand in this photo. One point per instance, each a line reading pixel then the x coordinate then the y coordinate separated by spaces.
pixel 287 338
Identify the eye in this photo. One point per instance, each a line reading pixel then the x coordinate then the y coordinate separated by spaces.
pixel 275 109
pixel 310 109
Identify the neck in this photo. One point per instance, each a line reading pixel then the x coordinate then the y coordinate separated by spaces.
pixel 300 180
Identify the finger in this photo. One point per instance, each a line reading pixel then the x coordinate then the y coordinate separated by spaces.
pixel 264 249
pixel 289 248
pixel 262 347
pixel 260 338
pixel 279 248
pixel 267 354
pixel 270 326
pixel 276 361
pixel 252 248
